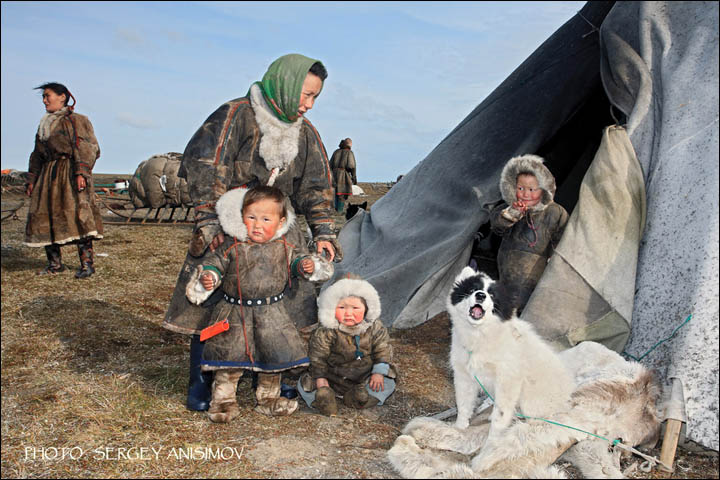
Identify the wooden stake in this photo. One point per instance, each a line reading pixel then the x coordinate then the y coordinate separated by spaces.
pixel 669 444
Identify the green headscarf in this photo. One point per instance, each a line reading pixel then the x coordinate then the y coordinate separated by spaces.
pixel 282 85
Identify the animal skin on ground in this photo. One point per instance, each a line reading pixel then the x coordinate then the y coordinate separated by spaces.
pixel 610 397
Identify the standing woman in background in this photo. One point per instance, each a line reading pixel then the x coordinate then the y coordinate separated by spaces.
pixel 60 186
pixel 343 167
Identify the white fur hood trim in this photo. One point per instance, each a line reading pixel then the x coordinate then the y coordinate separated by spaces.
pixel 279 142
pixel 527 163
pixel 348 287
pixel 229 211
pixel 48 121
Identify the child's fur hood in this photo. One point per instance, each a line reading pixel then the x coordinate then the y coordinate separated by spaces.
pixel 229 211
pixel 348 287
pixel 532 164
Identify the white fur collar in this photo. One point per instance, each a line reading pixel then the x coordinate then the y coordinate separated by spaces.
pixel 229 211
pixel 48 121
pixel 279 142
pixel 348 287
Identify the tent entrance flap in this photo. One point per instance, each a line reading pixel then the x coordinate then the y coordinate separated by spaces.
pixel 592 273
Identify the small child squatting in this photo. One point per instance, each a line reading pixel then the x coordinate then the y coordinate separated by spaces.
pixel 350 353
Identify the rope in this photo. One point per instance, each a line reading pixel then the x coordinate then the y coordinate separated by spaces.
pixel 651 461
pixel 594 28
pixel 531 224
pixel 661 341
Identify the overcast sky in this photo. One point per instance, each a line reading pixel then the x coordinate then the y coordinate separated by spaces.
pixel 402 75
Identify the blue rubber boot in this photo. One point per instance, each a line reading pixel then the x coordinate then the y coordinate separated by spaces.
pixel 200 386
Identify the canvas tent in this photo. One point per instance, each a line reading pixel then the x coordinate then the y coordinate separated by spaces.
pixel 641 250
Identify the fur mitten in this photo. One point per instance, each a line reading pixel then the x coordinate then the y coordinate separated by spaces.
pixel 195 291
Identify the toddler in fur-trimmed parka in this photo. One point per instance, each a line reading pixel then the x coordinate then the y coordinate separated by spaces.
pixel 251 329
pixel 350 352
pixel 530 224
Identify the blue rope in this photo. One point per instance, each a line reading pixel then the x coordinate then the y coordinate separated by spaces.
pixel 661 341
pixel 520 415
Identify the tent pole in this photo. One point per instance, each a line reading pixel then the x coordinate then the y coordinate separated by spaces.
pixel 675 415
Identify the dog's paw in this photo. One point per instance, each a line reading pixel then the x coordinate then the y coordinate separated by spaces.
pixel 462 423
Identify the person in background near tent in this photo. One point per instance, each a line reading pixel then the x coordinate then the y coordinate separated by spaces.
pixel 530 224
pixel 350 352
pixel 60 185
pixel 262 138
pixel 343 168
pixel 251 329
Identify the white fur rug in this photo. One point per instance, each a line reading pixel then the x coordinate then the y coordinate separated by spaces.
pixel 614 399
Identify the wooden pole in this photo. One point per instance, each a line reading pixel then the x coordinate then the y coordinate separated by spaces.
pixel 670 441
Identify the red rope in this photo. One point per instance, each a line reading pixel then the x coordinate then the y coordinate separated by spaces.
pixel 242 310
pixel 287 261
pixel 534 230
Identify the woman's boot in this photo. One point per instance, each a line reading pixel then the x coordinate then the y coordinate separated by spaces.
pixel 55 265
pixel 199 393
pixel 85 252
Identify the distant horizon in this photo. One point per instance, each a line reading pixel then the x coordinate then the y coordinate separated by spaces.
pixel 402 75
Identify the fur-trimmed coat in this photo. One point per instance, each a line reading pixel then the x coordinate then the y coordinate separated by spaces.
pixel 65 146
pixel 343 168
pixel 239 145
pixel 527 241
pixel 260 338
pixel 334 347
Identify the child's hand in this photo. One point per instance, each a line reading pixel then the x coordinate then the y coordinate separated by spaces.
pixel 321 382
pixel 377 382
pixel 307 265
pixel 207 281
pixel 520 206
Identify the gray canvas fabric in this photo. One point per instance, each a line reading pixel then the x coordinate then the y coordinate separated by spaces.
pixel 668 55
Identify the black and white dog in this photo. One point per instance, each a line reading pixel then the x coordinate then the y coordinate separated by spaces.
pixel 517 368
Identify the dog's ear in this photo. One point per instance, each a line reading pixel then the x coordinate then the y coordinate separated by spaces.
pixel 465 273
pixel 364 205
pixel 487 279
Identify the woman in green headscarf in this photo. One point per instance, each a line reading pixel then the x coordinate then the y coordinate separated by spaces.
pixel 262 138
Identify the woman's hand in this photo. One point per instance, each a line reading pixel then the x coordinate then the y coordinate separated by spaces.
pixel 307 266
pixel 217 241
pixel 377 382
pixel 81 183
pixel 324 245
pixel 321 382
pixel 29 189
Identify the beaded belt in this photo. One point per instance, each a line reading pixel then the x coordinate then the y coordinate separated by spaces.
pixel 254 302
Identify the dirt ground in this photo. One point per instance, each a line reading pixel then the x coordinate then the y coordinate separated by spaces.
pixel 92 386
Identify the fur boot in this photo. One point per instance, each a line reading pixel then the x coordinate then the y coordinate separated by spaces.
pixel 269 401
pixel 358 397
pixel 85 252
pixel 54 257
pixel 325 401
pixel 224 407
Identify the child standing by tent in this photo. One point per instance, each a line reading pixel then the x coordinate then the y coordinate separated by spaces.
pixel 530 224
pixel 350 353
pixel 250 328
